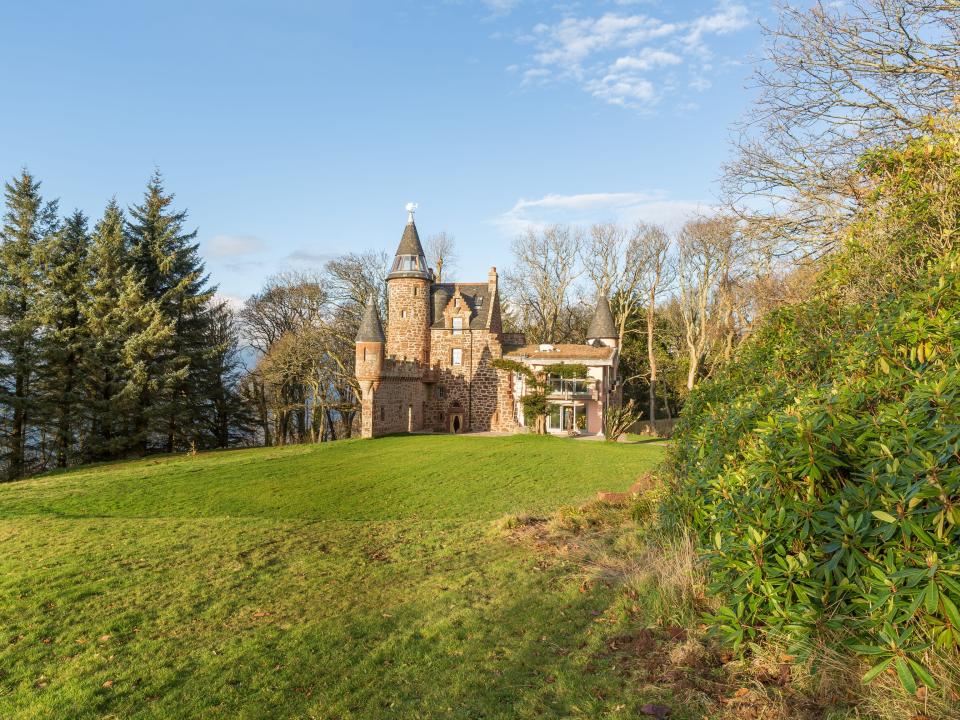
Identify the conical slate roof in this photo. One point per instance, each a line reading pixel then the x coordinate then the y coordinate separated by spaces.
pixel 410 242
pixel 409 261
pixel 371 330
pixel 602 325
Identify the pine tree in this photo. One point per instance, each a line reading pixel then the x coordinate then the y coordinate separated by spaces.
pixel 62 263
pixel 125 329
pixel 165 258
pixel 27 221
pixel 227 416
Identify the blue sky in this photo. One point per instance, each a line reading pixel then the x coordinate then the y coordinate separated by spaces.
pixel 293 131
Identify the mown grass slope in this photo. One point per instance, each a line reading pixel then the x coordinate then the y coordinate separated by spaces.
pixel 361 579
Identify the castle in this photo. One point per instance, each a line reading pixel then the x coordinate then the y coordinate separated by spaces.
pixel 431 370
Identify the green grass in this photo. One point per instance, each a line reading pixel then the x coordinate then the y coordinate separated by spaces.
pixel 361 579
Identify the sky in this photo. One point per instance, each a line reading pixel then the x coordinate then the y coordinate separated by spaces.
pixel 293 131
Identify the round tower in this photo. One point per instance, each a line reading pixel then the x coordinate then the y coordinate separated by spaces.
pixel 370 341
pixel 408 298
pixel 603 328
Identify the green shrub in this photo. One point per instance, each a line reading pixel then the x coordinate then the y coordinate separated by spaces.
pixel 821 469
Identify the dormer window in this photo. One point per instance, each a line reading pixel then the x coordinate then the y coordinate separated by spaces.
pixel 479 301
pixel 458 326
pixel 456 302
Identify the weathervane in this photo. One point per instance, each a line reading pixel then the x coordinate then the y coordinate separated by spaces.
pixel 411 209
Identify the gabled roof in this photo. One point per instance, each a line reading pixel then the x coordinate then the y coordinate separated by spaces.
pixel 371 329
pixel 602 325
pixel 477 296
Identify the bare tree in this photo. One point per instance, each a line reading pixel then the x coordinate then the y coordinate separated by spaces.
pixel 289 302
pixel 616 261
pixel 353 276
pixel 540 283
pixel 836 80
pixel 658 273
pixel 442 253
pixel 706 248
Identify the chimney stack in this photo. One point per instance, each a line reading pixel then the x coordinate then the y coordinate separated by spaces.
pixel 492 280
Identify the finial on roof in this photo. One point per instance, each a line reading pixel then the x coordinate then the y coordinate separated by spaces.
pixel 411 209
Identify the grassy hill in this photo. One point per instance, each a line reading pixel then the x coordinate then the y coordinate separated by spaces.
pixel 359 579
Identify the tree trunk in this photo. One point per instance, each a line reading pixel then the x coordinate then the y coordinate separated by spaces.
pixel 18 433
pixel 692 370
pixel 652 357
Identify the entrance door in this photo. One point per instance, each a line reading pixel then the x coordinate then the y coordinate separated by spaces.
pixel 554 419
pixel 568 418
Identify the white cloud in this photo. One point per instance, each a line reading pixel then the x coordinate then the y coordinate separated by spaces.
pixel 222 246
pixel 729 17
pixel 587 208
pixel 646 59
pixel 621 58
pixel 700 83
pixel 233 302
pixel 500 7
pixel 535 75
pixel 309 257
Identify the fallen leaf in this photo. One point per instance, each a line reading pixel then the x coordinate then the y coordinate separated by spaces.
pixel 104 638
pixel 108 684
pixel 742 692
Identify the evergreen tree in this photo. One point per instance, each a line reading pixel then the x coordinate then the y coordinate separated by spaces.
pixel 165 258
pixel 27 221
pixel 62 262
pixel 227 417
pixel 125 329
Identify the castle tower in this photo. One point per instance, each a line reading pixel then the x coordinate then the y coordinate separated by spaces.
pixel 370 342
pixel 603 330
pixel 408 298
pixel 369 363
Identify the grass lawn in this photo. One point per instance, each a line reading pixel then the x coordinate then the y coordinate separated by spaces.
pixel 361 579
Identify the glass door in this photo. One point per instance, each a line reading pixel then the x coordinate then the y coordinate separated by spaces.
pixel 554 419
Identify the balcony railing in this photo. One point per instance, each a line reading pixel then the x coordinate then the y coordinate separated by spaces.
pixel 571 388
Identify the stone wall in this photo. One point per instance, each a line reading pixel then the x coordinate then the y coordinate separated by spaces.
pixel 408 319
pixel 472 388
pixel 396 402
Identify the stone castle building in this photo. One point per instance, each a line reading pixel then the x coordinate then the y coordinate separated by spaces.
pixel 431 370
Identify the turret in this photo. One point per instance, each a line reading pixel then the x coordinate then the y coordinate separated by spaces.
pixel 408 298
pixel 603 330
pixel 370 341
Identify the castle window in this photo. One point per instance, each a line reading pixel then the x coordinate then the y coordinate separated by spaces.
pixel 364 354
pixel 416 291
pixel 403 313
pixel 479 301
pixel 456 302
pixel 458 326
pixel 382 413
pixel 438 392
pixel 456 356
